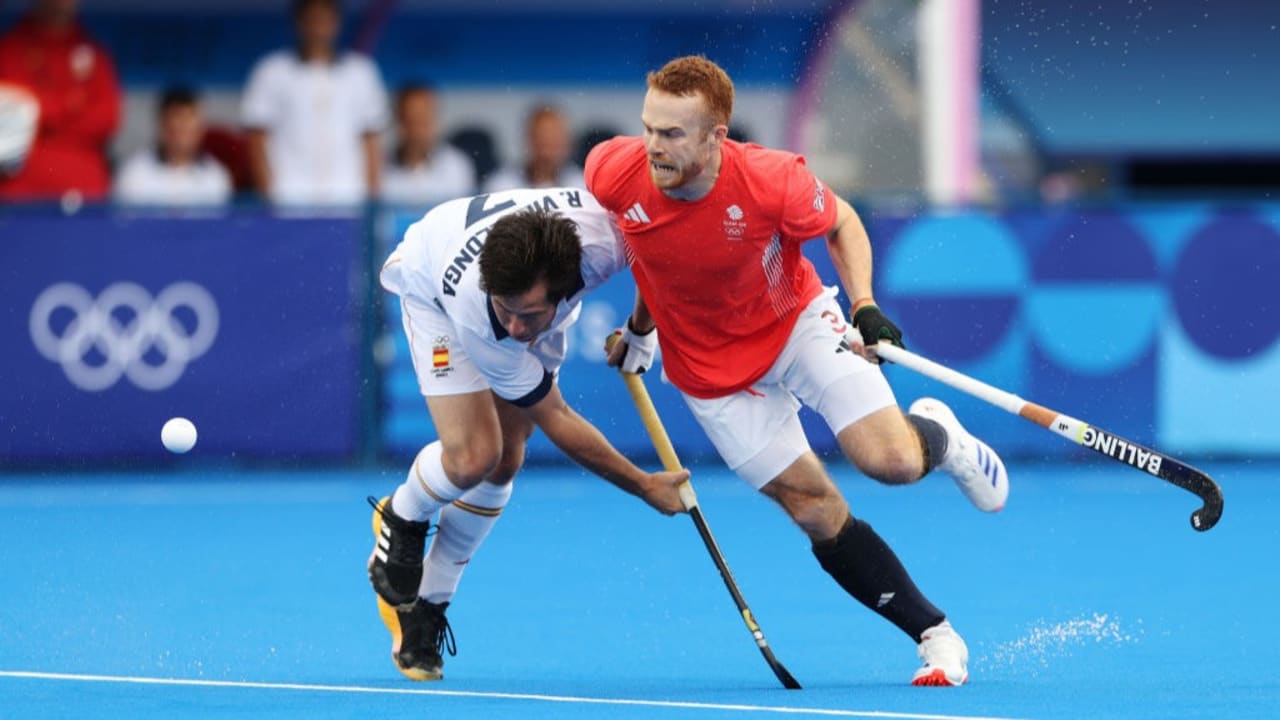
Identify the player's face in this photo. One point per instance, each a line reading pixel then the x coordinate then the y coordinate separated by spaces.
pixel 525 316
pixel 679 137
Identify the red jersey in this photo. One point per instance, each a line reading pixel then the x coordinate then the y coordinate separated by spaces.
pixel 75 82
pixel 723 276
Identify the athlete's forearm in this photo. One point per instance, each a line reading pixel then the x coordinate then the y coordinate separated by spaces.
pixel 641 320
pixel 587 446
pixel 850 249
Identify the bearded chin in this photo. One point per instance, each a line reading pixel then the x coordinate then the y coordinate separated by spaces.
pixel 692 173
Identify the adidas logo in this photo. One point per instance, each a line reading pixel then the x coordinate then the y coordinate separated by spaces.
pixel 636 214
pixel 384 542
pixel 989 467
pixel 884 599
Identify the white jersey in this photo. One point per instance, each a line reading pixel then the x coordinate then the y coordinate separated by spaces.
pixel 145 179
pixel 514 176
pixel 436 266
pixel 315 114
pixel 449 174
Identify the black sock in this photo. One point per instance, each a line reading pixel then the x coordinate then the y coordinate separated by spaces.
pixel 933 437
pixel 867 569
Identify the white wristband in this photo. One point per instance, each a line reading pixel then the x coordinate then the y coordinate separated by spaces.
pixel 640 349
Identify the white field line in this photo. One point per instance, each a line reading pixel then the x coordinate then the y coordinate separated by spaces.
pixel 825 712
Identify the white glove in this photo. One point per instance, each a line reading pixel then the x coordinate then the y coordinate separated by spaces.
pixel 640 350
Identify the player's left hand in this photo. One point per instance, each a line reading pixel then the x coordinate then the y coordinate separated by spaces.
pixel 873 326
pixel 633 352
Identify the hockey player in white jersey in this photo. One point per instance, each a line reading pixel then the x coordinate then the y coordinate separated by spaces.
pixel 488 287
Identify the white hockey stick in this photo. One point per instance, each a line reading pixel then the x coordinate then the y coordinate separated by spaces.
pixel 1113 446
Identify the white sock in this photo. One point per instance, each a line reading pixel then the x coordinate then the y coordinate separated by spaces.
pixel 463 526
pixel 427 488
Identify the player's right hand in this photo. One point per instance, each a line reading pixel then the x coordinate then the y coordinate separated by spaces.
pixel 873 326
pixel 662 492
pixel 630 351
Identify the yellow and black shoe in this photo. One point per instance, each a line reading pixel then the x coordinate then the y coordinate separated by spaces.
pixel 418 628
pixel 418 634
pixel 395 566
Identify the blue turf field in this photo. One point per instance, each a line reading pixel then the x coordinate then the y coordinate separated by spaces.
pixel 1088 597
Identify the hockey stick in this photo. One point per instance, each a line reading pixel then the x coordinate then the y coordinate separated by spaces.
pixel 1113 446
pixel 667 453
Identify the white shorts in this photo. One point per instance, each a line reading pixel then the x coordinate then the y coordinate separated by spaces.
pixel 441 363
pixel 757 431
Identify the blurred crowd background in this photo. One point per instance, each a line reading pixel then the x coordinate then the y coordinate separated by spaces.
pixel 1076 200
pixel 329 102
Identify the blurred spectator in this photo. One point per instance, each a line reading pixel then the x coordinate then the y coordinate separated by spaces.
pixel 74 81
pixel 423 169
pixel 314 116
pixel 229 147
pixel 589 138
pixel 477 143
pixel 547 162
pixel 19 115
pixel 176 171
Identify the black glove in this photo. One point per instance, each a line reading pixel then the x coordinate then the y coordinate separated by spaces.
pixel 874 327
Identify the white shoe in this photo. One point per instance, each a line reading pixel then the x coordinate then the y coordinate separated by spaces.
pixel 974 466
pixel 945 656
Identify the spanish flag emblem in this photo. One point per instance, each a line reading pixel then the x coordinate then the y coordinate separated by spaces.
pixel 440 356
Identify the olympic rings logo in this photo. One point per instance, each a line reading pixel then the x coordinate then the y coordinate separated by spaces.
pixel 123 333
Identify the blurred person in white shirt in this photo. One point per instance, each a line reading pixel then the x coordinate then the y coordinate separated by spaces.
pixel 176 172
pixel 422 169
pixel 547 163
pixel 314 115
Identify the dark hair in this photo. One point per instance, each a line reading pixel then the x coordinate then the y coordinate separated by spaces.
pixel 413 87
pixel 531 245
pixel 541 110
pixel 300 5
pixel 177 96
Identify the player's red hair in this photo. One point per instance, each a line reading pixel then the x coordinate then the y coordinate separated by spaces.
pixel 696 75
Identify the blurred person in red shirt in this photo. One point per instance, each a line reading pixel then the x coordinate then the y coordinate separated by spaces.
pixel 48 53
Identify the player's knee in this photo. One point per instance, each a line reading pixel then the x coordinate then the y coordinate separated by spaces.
pixel 820 514
pixel 470 463
pixel 507 467
pixel 893 464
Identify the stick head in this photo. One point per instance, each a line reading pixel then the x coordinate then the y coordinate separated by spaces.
pixel 1195 481
pixel 1208 514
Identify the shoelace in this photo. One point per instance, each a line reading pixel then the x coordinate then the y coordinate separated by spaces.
pixel 444 632
pixel 444 636
pixel 392 517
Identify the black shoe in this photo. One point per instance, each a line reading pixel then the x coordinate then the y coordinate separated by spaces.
pixel 395 567
pixel 418 634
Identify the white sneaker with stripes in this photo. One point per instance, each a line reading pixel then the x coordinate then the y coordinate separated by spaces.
pixel 975 467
